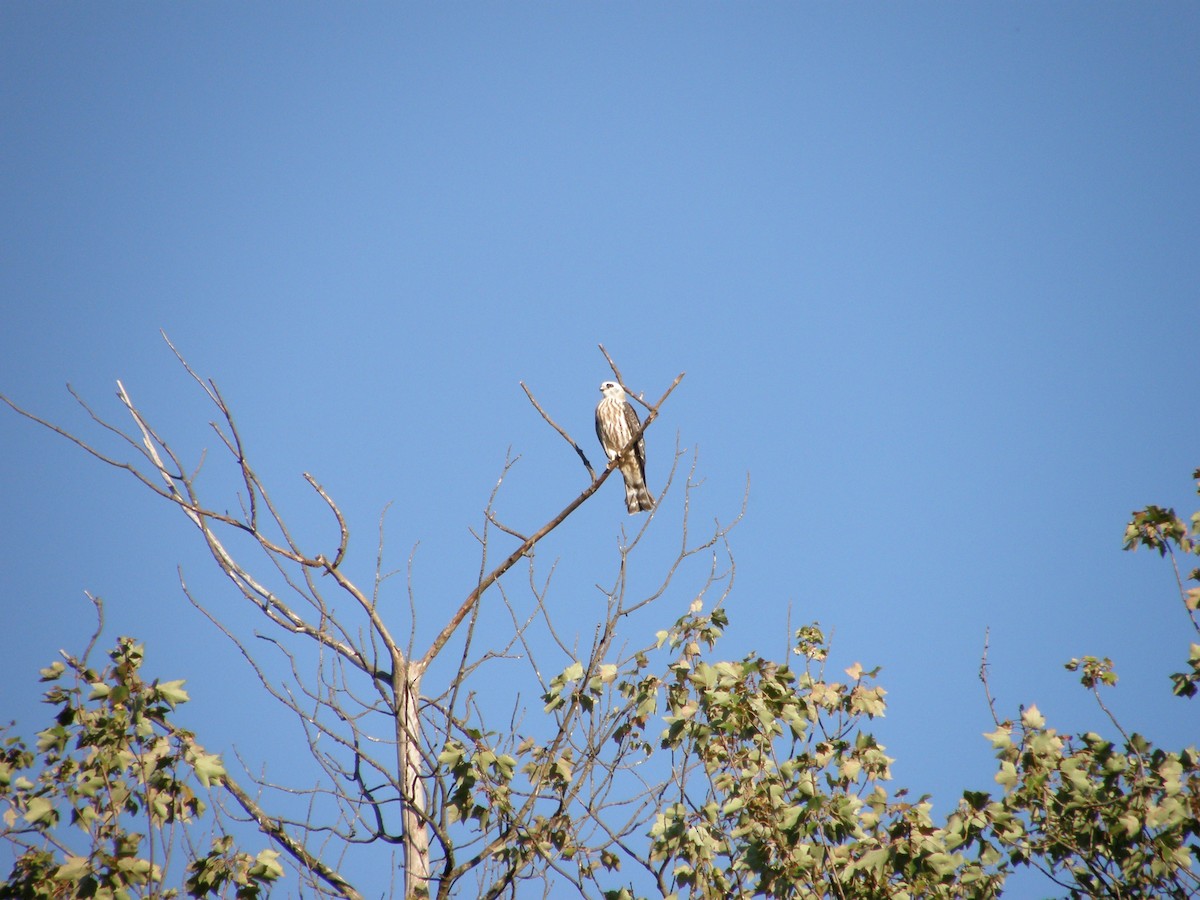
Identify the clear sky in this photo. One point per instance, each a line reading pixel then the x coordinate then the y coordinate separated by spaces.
pixel 932 271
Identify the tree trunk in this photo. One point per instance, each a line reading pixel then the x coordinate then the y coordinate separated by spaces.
pixel 406 684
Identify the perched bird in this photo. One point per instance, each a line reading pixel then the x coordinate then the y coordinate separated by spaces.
pixel 616 424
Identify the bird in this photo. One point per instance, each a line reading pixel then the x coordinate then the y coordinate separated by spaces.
pixel 616 424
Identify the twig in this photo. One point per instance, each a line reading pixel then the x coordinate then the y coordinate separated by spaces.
pixel 983 676
pixel 612 365
pixel 621 379
pixel 99 605
pixel 344 541
pixel 273 828
pixel 583 456
pixel 491 517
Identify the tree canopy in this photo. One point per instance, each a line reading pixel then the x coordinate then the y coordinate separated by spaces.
pixel 642 764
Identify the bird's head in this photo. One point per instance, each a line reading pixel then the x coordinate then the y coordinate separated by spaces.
pixel 612 390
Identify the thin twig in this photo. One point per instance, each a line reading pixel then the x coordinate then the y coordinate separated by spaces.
pixel 621 380
pixel 570 440
pixel 273 829
pixel 99 605
pixel 612 365
pixel 983 676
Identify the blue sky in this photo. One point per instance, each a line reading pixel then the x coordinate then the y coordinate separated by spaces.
pixel 931 270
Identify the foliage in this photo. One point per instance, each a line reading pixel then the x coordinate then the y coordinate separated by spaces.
pixel 1160 529
pixel 786 798
pixel 778 788
pixel 93 809
pixel 1101 819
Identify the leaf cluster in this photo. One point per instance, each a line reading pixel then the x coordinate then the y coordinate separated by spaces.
pixel 779 793
pixel 1159 528
pixel 94 808
pixel 1100 818
pixel 779 789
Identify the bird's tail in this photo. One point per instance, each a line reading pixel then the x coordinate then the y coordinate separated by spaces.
pixel 637 498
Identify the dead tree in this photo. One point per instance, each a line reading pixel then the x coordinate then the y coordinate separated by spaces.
pixel 559 799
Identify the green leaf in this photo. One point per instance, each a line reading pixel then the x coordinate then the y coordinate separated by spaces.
pixel 39 809
pixel 172 692
pixel 942 863
pixel 52 739
pixel 875 860
pixel 74 868
pixel 266 866
pixel 99 691
pixel 208 768
pixel 1007 776
pixel 1033 718
pixel 790 816
pixel 451 754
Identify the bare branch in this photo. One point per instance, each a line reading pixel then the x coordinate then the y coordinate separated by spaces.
pixel 337 513
pixel 983 676
pixel 579 450
pixel 612 365
pixel 273 829
pixel 99 606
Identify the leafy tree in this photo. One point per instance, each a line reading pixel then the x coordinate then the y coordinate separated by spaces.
pixel 655 764
pixel 97 808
